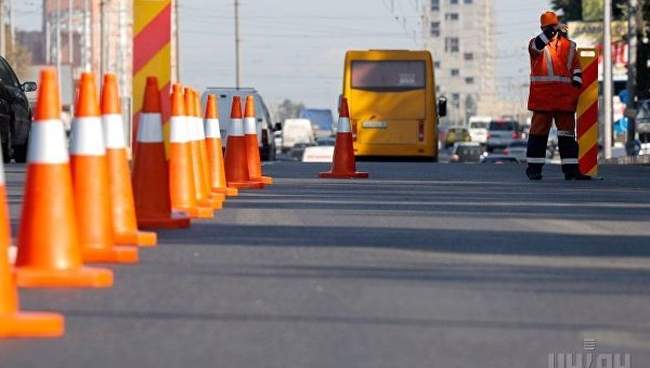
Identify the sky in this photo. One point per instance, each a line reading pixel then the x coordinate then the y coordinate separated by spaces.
pixel 295 48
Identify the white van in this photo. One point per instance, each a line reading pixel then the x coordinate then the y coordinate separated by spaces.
pixel 264 123
pixel 296 131
pixel 478 128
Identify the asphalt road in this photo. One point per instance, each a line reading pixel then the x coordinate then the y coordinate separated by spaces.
pixel 423 265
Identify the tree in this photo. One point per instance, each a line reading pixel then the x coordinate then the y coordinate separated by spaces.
pixel 18 56
pixel 288 109
pixel 572 9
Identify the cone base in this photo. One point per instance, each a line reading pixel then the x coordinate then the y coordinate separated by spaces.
pixel 212 203
pixel 353 175
pixel 200 212
pixel 139 238
pixel 114 254
pixel 228 192
pixel 246 185
pixel 164 223
pixel 31 324
pixel 84 277
pixel 267 180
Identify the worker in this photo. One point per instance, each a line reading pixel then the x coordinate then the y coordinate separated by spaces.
pixel 555 84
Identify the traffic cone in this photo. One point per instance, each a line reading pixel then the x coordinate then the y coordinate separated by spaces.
pixel 203 149
pixel 344 164
pixel 125 225
pixel 235 158
pixel 215 149
pixel 252 145
pixel 14 323
pixel 90 180
pixel 182 186
pixel 150 169
pixel 49 253
pixel 197 135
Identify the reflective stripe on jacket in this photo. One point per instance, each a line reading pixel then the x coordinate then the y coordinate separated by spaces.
pixel 552 71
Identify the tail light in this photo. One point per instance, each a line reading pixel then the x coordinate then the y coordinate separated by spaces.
pixel 488 136
pixel 421 131
pixel 515 135
pixel 505 151
pixel 354 130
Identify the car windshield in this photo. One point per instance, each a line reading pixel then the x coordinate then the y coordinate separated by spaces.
pixel 502 125
pixel 518 144
pixel 478 125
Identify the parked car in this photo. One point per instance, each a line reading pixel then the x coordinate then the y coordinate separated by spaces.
pixel 517 149
pixel 478 128
pixel 501 133
pixel 265 126
pixel 466 152
pixel 15 113
pixel 456 135
pixel 296 131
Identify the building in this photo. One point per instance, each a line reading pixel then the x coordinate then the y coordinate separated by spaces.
pixel 459 35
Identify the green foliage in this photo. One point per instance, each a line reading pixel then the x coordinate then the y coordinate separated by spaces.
pixel 572 9
pixel 288 109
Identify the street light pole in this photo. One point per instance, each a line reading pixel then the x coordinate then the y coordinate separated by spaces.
pixel 237 41
pixel 607 78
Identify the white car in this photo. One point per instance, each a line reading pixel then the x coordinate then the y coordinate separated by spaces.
pixel 478 128
pixel 296 131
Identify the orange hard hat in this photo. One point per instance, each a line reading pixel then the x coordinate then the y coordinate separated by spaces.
pixel 549 18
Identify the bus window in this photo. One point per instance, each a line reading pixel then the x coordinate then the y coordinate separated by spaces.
pixel 388 75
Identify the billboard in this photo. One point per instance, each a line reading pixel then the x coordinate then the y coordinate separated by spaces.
pixel 590 35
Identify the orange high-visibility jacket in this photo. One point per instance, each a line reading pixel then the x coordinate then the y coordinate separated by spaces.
pixel 552 70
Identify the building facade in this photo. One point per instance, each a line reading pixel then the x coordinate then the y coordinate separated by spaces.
pixel 459 34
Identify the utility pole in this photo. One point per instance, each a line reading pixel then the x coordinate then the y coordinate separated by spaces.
pixel 177 40
pixel 58 39
pixel 103 38
pixel 630 110
pixel 12 26
pixel 70 35
pixel 3 37
pixel 87 38
pixel 237 41
pixel 607 78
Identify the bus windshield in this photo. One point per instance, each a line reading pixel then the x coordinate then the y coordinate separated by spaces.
pixel 389 75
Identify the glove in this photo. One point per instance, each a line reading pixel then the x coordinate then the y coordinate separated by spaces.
pixel 549 32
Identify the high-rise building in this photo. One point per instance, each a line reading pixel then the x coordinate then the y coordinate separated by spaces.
pixel 459 34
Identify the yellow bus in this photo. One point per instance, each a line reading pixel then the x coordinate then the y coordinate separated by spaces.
pixel 392 97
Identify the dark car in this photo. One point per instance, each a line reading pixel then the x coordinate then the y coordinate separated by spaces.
pixel 15 113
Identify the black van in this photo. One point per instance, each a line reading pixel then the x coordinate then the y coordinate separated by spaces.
pixel 15 113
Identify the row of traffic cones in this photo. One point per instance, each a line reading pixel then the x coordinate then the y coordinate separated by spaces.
pixel 82 206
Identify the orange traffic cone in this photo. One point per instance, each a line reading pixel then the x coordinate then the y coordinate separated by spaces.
pixel 252 146
pixel 203 149
pixel 125 225
pixel 182 186
pixel 90 180
pixel 150 171
pixel 49 253
pixel 236 161
pixel 13 323
pixel 344 164
pixel 215 149
pixel 197 135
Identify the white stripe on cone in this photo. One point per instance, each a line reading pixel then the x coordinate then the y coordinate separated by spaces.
pixel 87 137
pixel 198 129
pixel 212 129
pixel 250 126
pixel 179 130
pixel 344 126
pixel 236 128
pixel 114 131
pixel 47 143
pixel 150 128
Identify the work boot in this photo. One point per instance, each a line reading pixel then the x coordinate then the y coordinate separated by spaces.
pixel 533 173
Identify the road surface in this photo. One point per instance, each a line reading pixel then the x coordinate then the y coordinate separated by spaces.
pixel 423 265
